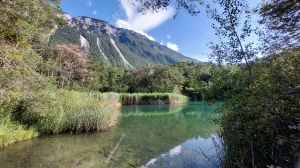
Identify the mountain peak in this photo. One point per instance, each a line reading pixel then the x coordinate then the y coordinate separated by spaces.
pixel 65 16
pixel 115 45
pixel 91 25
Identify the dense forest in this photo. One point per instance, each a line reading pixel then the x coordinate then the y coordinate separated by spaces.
pixel 43 85
pixel 90 74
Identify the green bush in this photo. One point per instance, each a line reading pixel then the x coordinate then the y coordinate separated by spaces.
pixel 260 115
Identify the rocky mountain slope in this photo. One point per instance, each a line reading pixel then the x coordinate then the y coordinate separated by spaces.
pixel 115 45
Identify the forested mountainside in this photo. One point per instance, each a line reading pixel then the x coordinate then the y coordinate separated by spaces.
pixel 115 45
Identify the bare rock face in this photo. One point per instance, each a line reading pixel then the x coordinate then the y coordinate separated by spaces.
pixel 84 44
pixel 65 16
pixel 92 26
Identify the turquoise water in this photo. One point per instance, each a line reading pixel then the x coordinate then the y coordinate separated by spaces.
pixel 147 136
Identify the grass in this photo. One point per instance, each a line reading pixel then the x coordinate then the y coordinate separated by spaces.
pixel 151 98
pixel 11 132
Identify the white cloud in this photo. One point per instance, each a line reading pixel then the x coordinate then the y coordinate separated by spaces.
pixel 124 24
pixel 142 22
pixel 148 36
pixel 176 150
pixel 94 12
pixel 172 46
pixel 259 55
pixel 88 3
pixel 168 36
pixel 152 161
pixel 203 59
pixel 200 57
pixel 162 42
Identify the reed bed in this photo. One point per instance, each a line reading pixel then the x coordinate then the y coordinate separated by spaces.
pixel 82 112
pixel 57 111
pixel 151 98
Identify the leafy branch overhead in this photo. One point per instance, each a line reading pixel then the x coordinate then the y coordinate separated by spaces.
pixel 281 20
pixel 154 6
pixel 20 20
pixel 233 27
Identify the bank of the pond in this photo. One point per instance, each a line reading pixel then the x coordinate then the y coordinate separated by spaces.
pixel 63 111
pixel 57 111
pixel 152 98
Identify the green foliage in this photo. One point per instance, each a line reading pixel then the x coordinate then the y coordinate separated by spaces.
pixel 98 75
pixel 281 17
pixel 197 77
pixel 233 27
pixel 148 79
pixel 22 19
pixel 156 78
pixel 154 6
pixel 224 83
pixel 261 113
pixel 65 35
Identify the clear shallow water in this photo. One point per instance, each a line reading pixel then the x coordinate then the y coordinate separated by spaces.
pixel 148 136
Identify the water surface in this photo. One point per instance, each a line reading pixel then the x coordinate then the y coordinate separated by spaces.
pixel 147 136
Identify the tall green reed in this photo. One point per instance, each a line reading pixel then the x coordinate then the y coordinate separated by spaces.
pixel 152 98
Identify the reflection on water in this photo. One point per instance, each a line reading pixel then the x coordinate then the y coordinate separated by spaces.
pixel 171 134
pixel 187 154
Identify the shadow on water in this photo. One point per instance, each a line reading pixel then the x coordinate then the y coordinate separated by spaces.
pixel 149 135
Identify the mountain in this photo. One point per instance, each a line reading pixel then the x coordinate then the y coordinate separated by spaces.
pixel 114 45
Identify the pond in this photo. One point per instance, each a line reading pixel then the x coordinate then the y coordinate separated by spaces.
pixel 147 136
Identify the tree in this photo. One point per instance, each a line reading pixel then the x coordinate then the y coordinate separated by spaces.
pixel 154 6
pixel 21 19
pixel 73 63
pixel 166 80
pixel 281 20
pixel 98 75
pixel 233 26
pixel 195 78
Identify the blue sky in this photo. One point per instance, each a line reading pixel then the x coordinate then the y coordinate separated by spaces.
pixel 186 34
